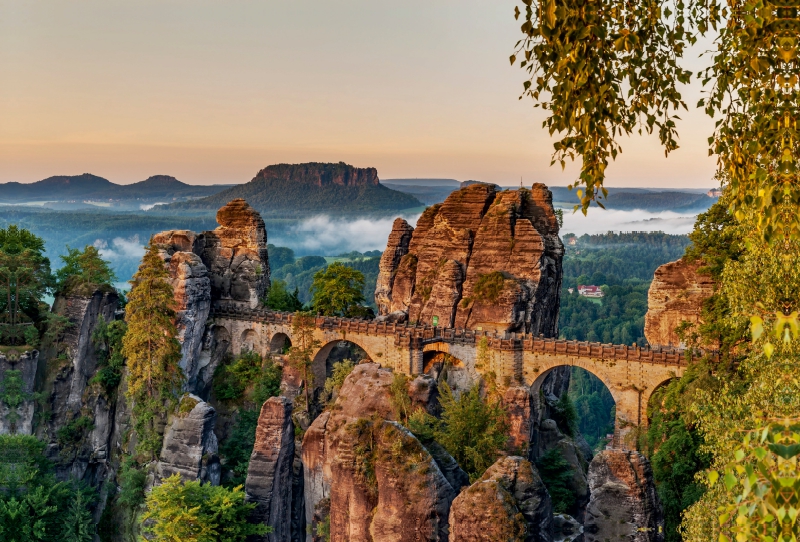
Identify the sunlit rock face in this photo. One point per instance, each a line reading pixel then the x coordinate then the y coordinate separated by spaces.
pixel 369 475
pixel 676 295
pixel 485 258
pixel 509 502
pixel 236 254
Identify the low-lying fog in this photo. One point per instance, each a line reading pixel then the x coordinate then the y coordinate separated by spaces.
pixel 326 236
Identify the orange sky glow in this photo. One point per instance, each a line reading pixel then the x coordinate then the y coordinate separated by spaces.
pixel 211 92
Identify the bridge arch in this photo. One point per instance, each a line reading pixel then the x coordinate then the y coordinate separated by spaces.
pixel 279 343
pixel 249 341
pixel 322 366
pixel 443 365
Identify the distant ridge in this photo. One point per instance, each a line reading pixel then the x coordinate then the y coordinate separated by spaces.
pixel 88 187
pixel 292 190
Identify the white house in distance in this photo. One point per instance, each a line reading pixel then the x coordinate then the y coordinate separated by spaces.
pixel 589 291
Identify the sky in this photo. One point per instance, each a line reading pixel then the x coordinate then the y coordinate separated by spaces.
pixel 213 91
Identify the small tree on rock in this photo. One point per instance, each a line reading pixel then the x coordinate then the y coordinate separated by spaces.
pixel 302 351
pixel 337 291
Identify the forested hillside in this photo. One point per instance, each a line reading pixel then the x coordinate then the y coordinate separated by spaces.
pixel 622 264
pixel 295 190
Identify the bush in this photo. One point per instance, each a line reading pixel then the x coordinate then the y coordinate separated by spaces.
pixel 197 512
pixel 132 481
pixel 341 369
pixel 73 432
pixel 279 298
pixel 236 449
pixel 472 430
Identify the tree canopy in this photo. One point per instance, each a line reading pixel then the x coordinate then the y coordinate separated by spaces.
pixel 83 270
pixel 337 291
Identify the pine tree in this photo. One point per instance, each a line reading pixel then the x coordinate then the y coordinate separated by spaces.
pixel 300 354
pixel 152 349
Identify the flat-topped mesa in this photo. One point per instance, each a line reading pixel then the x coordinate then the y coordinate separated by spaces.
pixel 484 259
pixel 322 174
pixel 676 295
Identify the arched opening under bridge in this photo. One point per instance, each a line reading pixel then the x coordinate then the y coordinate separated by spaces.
pixel 248 341
pixel 280 343
pixel 443 366
pixel 582 406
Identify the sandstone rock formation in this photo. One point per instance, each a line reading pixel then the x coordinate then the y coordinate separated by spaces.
pixel 192 288
pixel 379 481
pixel 566 529
pixel 624 503
pixel 484 258
pixel 190 445
pixel 676 295
pixel 236 255
pixel 269 475
pixel 68 396
pixel 227 264
pixel 508 503
pixel 17 418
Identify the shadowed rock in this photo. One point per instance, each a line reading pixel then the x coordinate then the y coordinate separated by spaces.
pixel 624 504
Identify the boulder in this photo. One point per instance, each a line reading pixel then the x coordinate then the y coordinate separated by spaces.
pixel 624 504
pixel 676 295
pixel 190 445
pixel 377 480
pixel 270 472
pixel 508 503
pixel 484 258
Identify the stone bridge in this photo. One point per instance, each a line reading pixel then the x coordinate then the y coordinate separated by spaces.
pixel 630 373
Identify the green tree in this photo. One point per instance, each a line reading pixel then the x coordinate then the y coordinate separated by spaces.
pixel 471 429
pixel 152 350
pixel 301 353
pixel 55 327
pixel 556 475
pixel 279 298
pixel 108 341
pixel 196 512
pixel 337 291
pixel 24 279
pixel 83 271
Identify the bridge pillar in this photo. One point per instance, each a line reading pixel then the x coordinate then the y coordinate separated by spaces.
pixel 417 356
pixel 629 420
pixel 510 367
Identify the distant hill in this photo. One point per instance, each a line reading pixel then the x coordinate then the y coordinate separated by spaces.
pixel 292 190
pixel 88 187
pixel 627 199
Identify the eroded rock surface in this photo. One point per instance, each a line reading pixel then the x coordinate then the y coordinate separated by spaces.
pixel 190 445
pixel 624 504
pixel 236 255
pixel 484 258
pixel 379 481
pixel 508 503
pixel 676 295
pixel 270 473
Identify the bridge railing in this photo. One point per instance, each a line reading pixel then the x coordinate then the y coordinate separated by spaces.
pixel 503 341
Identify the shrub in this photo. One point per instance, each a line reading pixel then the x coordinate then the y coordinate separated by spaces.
pixel 341 370
pixel 73 432
pixel 132 481
pixel 233 378
pixel 196 512
pixel 488 287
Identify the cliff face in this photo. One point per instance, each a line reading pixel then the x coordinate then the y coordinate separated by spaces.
pixel 624 503
pixel 676 294
pixel 320 174
pixel 370 477
pixel 482 259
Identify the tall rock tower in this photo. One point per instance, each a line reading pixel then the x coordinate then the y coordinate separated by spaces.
pixel 485 259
